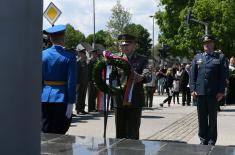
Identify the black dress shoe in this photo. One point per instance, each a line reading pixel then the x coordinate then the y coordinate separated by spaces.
pixel 211 142
pixel 203 142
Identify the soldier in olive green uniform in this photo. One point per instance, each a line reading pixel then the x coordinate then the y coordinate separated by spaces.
pixel 128 118
pixel 92 90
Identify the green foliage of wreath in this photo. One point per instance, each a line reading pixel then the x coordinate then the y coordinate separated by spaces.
pixel 99 81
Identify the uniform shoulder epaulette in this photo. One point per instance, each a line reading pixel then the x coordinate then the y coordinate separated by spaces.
pixel 218 54
pixel 70 54
pixel 198 55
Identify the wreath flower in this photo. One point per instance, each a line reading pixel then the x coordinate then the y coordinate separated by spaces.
pixel 97 75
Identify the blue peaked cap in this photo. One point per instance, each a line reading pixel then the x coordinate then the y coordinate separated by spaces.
pixel 55 29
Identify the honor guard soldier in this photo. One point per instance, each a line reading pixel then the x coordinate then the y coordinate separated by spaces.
pixel 128 118
pixel 58 83
pixel 207 83
pixel 82 80
pixel 92 89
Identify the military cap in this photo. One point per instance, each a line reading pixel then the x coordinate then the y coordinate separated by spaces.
pixel 187 66
pixel 80 48
pixel 55 29
pixel 126 39
pixel 207 38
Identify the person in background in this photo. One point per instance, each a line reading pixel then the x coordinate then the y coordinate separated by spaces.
pixel 150 87
pixel 169 86
pixel 92 89
pixel 176 85
pixel 161 77
pixel 184 86
pixel 231 82
pixel 82 80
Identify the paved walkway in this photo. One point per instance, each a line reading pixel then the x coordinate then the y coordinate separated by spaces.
pixel 175 123
pixel 181 130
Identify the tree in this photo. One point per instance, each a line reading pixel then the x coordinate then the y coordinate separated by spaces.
pixel 184 40
pixel 142 38
pixel 169 23
pixel 73 37
pixel 119 20
pixel 102 37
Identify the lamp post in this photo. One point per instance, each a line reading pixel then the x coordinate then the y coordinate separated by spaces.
pixel 93 24
pixel 153 36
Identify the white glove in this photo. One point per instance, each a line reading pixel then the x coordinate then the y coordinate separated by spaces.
pixel 69 110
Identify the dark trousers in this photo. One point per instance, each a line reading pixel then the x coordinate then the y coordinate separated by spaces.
pixel 149 96
pixel 81 97
pixel 128 122
pixel 169 97
pixel 186 96
pixel 176 95
pixel 207 117
pixel 92 95
pixel 54 119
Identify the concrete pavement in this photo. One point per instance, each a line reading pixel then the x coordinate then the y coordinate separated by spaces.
pixel 174 123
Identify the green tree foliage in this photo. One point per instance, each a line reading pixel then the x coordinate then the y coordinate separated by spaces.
pixel 119 20
pixel 101 37
pixel 185 40
pixel 73 37
pixel 142 38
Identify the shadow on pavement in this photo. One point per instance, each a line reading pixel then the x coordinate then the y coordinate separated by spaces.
pixel 228 110
pixel 152 117
pixel 91 116
pixel 148 108
pixel 168 141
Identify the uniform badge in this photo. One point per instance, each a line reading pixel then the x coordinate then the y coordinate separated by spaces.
pixel 199 61
pixel 216 61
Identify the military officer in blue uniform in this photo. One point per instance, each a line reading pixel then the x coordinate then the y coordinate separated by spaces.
pixel 128 118
pixel 58 83
pixel 207 83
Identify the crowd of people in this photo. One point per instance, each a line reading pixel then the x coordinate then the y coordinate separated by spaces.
pixel 169 80
pixel 67 77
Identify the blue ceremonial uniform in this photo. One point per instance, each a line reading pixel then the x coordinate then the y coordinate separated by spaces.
pixel 207 79
pixel 58 65
pixel 58 84
pixel 208 74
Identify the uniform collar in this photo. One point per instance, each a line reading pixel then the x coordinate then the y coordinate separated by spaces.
pixel 57 46
pixel 208 54
pixel 131 56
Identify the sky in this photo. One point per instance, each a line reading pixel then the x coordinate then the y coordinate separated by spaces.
pixel 79 13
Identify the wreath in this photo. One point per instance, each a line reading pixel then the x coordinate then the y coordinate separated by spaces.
pixel 118 63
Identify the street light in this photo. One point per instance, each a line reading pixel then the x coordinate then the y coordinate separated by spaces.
pixel 93 23
pixel 153 35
